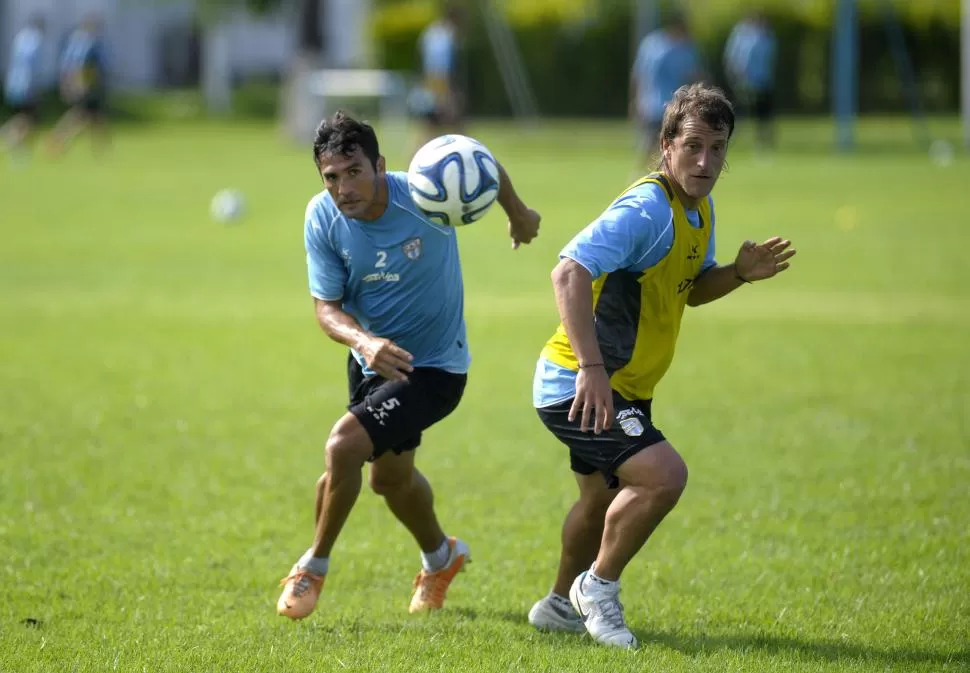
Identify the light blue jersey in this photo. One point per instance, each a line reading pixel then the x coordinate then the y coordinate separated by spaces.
pixel 84 56
pixel 663 65
pixel 20 86
pixel 437 45
pixel 635 233
pixel 749 56
pixel 399 276
pixel 79 52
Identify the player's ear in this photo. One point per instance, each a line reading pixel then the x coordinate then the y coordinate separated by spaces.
pixel 381 165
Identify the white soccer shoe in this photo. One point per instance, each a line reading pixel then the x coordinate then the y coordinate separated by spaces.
pixel 602 614
pixel 549 614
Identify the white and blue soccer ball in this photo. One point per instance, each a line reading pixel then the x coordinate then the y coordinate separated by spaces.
pixel 454 180
pixel 228 205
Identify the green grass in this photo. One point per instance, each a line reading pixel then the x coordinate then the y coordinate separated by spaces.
pixel 165 395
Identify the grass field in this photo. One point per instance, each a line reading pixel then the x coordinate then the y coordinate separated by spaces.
pixel 165 395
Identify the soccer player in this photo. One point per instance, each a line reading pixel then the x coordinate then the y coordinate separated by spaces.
pixel 439 101
pixel 386 282
pixel 621 286
pixel 749 61
pixel 666 60
pixel 21 83
pixel 83 86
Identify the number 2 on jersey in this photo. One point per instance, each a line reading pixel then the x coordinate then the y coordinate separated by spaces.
pixel 381 260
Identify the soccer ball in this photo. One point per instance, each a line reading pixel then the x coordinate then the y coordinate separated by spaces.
pixel 454 180
pixel 227 205
pixel 941 152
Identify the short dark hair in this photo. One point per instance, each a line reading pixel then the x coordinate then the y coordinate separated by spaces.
pixel 700 101
pixel 342 134
pixel 452 12
pixel 675 20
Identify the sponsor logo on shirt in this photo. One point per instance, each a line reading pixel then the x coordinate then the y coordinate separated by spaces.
pixel 382 276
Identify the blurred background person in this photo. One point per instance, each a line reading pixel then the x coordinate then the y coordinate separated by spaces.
pixel 666 59
pixel 749 62
pixel 22 86
pixel 83 87
pixel 439 100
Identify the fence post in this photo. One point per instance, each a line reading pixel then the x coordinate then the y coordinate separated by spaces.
pixel 845 55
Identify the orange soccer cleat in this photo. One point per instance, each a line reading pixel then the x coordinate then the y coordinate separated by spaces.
pixel 302 589
pixel 430 588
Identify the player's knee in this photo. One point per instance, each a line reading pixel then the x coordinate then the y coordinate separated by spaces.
pixel 383 483
pixel 346 448
pixel 594 507
pixel 658 475
pixel 672 481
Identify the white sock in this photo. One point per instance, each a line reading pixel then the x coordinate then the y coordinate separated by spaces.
pixel 594 582
pixel 438 559
pixel 318 565
pixel 562 601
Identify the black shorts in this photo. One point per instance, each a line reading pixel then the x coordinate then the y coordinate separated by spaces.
pixel 394 413
pixel 762 105
pixel 631 432
pixel 651 132
pixel 93 104
pixel 758 103
pixel 26 108
pixel 434 117
pixel 440 115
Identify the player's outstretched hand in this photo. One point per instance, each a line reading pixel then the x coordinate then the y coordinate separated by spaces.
pixel 523 227
pixel 594 397
pixel 387 359
pixel 757 261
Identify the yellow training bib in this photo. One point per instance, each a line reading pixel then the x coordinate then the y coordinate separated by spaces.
pixel 638 313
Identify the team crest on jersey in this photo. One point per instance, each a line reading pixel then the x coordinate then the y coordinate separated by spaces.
pixel 412 249
pixel 632 427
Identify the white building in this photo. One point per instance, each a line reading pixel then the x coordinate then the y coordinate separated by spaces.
pixel 149 42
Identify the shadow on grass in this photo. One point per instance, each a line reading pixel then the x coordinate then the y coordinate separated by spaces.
pixel 821 650
pixel 688 644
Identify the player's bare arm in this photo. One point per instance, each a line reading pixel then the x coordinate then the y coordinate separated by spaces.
pixel 523 221
pixel 755 261
pixel 385 357
pixel 574 296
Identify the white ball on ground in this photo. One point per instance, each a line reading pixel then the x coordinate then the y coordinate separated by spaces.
pixel 228 205
pixel 942 153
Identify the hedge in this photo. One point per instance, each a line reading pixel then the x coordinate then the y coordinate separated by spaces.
pixel 578 60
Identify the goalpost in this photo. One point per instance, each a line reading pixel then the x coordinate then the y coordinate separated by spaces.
pixel 846 67
pixel 845 82
pixel 646 17
pixel 511 68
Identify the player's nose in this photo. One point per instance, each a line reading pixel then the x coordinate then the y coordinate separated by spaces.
pixel 703 160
